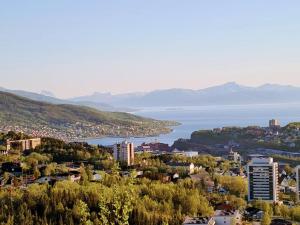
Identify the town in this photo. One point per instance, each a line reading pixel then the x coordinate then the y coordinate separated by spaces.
pixel 80 130
pixel 272 140
pixel 149 112
pixel 157 183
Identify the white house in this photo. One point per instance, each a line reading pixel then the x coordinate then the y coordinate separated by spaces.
pixel 225 217
pixel 43 180
pixel 191 153
pixel 96 177
pixel 189 167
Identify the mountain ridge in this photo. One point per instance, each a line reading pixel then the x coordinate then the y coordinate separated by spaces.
pixel 230 93
pixel 226 94
pixel 43 96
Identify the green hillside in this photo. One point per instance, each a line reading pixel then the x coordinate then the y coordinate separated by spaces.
pixel 71 122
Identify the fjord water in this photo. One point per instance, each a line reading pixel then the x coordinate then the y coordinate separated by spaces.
pixel 194 118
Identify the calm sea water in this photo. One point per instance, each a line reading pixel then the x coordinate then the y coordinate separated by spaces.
pixel 195 118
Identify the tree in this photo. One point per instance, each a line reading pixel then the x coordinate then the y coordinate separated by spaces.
pixel 284 211
pixel 235 185
pixel 6 176
pixel 35 158
pixel 59 208
pixel 116 206
pixel 266 207
pixel 266 220
pixel 89 172
pixel 225 166
pixel 10 220
pixel 288 169
pixel 50 169
pixel 36 172
pixel 81 212
pixel 84 176
pixel 277 210
pixel 295 213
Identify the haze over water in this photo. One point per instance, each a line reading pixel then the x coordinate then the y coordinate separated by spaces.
pixel 208 117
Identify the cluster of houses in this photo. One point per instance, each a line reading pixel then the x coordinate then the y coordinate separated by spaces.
pixel 13 175
pixel 226 214
pixel 266 178
pixel 273 135
pixel 228 217
pixel 153 147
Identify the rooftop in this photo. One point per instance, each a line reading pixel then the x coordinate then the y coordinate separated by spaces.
pixel 280 222
pixel 225 212
pixel 197 220
pixel 263 160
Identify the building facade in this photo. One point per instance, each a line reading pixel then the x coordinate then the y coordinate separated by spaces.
pixel 274 123
pixel 124 153
pixel 25 144
pixel 190 154
pixel 263 180
pixel 298 182
pixel 227 217
pixel 234 156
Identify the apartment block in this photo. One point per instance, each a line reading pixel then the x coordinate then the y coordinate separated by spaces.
pixel 263 180
pixel 124 152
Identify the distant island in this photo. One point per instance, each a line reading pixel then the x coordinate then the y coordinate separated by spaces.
pixel 71 122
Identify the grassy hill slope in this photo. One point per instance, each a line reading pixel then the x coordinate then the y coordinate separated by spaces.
pixel 22 114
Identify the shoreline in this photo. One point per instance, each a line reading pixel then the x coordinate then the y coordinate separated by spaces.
pixel 111 136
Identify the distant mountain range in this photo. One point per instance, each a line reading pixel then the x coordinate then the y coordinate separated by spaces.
pixel 46 96
pixel 71 122
pixel 227 94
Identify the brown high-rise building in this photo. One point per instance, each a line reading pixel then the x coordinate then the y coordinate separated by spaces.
pixel 25 144
pixel 274 123
pixel 124 152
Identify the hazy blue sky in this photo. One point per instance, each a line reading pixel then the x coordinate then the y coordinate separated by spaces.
pixel 78 47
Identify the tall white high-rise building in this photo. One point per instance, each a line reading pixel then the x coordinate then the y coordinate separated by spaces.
pixel 298 182
pixel 263 179
pixel 124 152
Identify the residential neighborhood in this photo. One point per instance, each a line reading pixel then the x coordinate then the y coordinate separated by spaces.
pixel 238 189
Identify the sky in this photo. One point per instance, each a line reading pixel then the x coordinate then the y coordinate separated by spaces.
pixel 74 48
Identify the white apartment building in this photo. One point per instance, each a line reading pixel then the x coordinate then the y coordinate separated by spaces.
pixel 263 180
